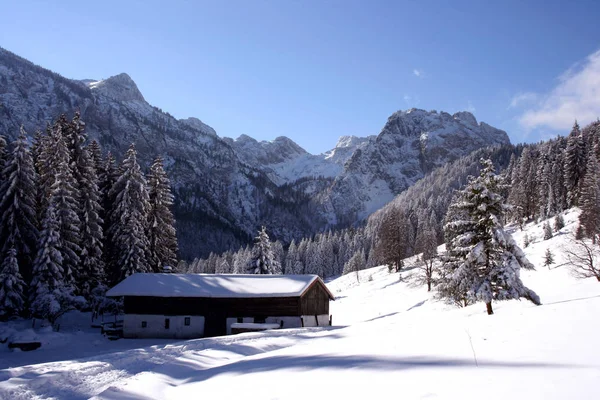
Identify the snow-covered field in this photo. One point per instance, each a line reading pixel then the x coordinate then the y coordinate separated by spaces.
pixel 390 340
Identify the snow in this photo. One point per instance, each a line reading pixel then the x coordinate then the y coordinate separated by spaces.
pixel 208 285
pixel 390 339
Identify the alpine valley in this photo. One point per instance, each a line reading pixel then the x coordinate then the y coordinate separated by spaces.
pixel 224 188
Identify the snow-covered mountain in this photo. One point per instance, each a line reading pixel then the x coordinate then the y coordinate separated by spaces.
pixel 220 199
pixel 411 143
pixel 224 188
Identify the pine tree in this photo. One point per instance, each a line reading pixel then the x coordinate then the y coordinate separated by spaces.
pixel 548 258
pixel 63 197
pixel 559 223
pixel 290 258
pixel 75 138
pixel 3 157
pixel 96 153
pixel 50 296
pixel 129 219
pixel 262 261
pixel 11 286
pixel 161 223
pixel 107 176
pixel 574 165
pixel 356 263
pixel 492 262
pixel 18 217
pixel 547 231
pixel 92 272
pixel 589 201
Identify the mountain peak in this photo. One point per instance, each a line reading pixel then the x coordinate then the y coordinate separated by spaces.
pixel 119 87
pixel 466 116
pixel 195 123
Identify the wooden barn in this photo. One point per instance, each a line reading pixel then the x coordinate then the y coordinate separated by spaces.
pixel 202 305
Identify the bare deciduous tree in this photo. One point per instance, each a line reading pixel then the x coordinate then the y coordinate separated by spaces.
pixel 583 255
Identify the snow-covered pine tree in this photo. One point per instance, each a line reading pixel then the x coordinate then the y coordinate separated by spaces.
pixel 224 263
pixel 3 157
pixel 75 137
pixel 547 206
pixel 50 296
pixel 559 223
pixel 290 258
pixel 36 144
pixel 161 223
pixel 107 176
pixel 356 263
pixel 450 285
pixel 12 286
pixel 96 153
pixel 279 256
pixel 262 261
pixel 574 165
pixel 47 267
pixel 129 219
pixel 18 214
pixel 491 266
pixel 63 197
pixel 91 273
pixel 589 201
pixel 547 231
pixel 48 157
pixel 548 258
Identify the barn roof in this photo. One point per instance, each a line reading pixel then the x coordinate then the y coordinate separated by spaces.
pixel 215 285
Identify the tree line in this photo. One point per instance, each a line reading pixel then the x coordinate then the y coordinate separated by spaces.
pixel 72 222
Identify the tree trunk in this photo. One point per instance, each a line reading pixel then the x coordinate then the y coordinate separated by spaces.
pixel 429 286
pixel 488 306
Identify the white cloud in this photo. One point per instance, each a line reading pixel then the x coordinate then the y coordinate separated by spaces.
pixel 576 96
pixel 418 73
pixel 411 101
pixel 470 107
pixel 522 99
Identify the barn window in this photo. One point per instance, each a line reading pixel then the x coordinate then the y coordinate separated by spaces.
pixel 144 324
pixel 240 320
pixel 167 323
pixel 187 321
pixel 259 320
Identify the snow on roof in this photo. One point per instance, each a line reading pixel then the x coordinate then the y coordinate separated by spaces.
pixel 209 285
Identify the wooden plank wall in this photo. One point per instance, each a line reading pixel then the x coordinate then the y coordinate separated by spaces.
pixel 315 301
pixel 236 307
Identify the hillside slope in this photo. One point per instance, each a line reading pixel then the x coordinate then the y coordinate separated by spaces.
pixel 390 340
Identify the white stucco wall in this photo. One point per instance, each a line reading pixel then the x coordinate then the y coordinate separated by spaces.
pixel 319 320
pixel 155 326
pixel 288 322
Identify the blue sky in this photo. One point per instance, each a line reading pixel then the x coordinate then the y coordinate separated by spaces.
pixel 317 70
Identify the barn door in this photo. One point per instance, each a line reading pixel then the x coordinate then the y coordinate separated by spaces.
pixel 215 325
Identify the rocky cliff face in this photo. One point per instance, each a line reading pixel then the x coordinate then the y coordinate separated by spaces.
pixel 224 188
pixel 411 143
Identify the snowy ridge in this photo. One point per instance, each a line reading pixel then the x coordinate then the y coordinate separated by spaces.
pixel 390 338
